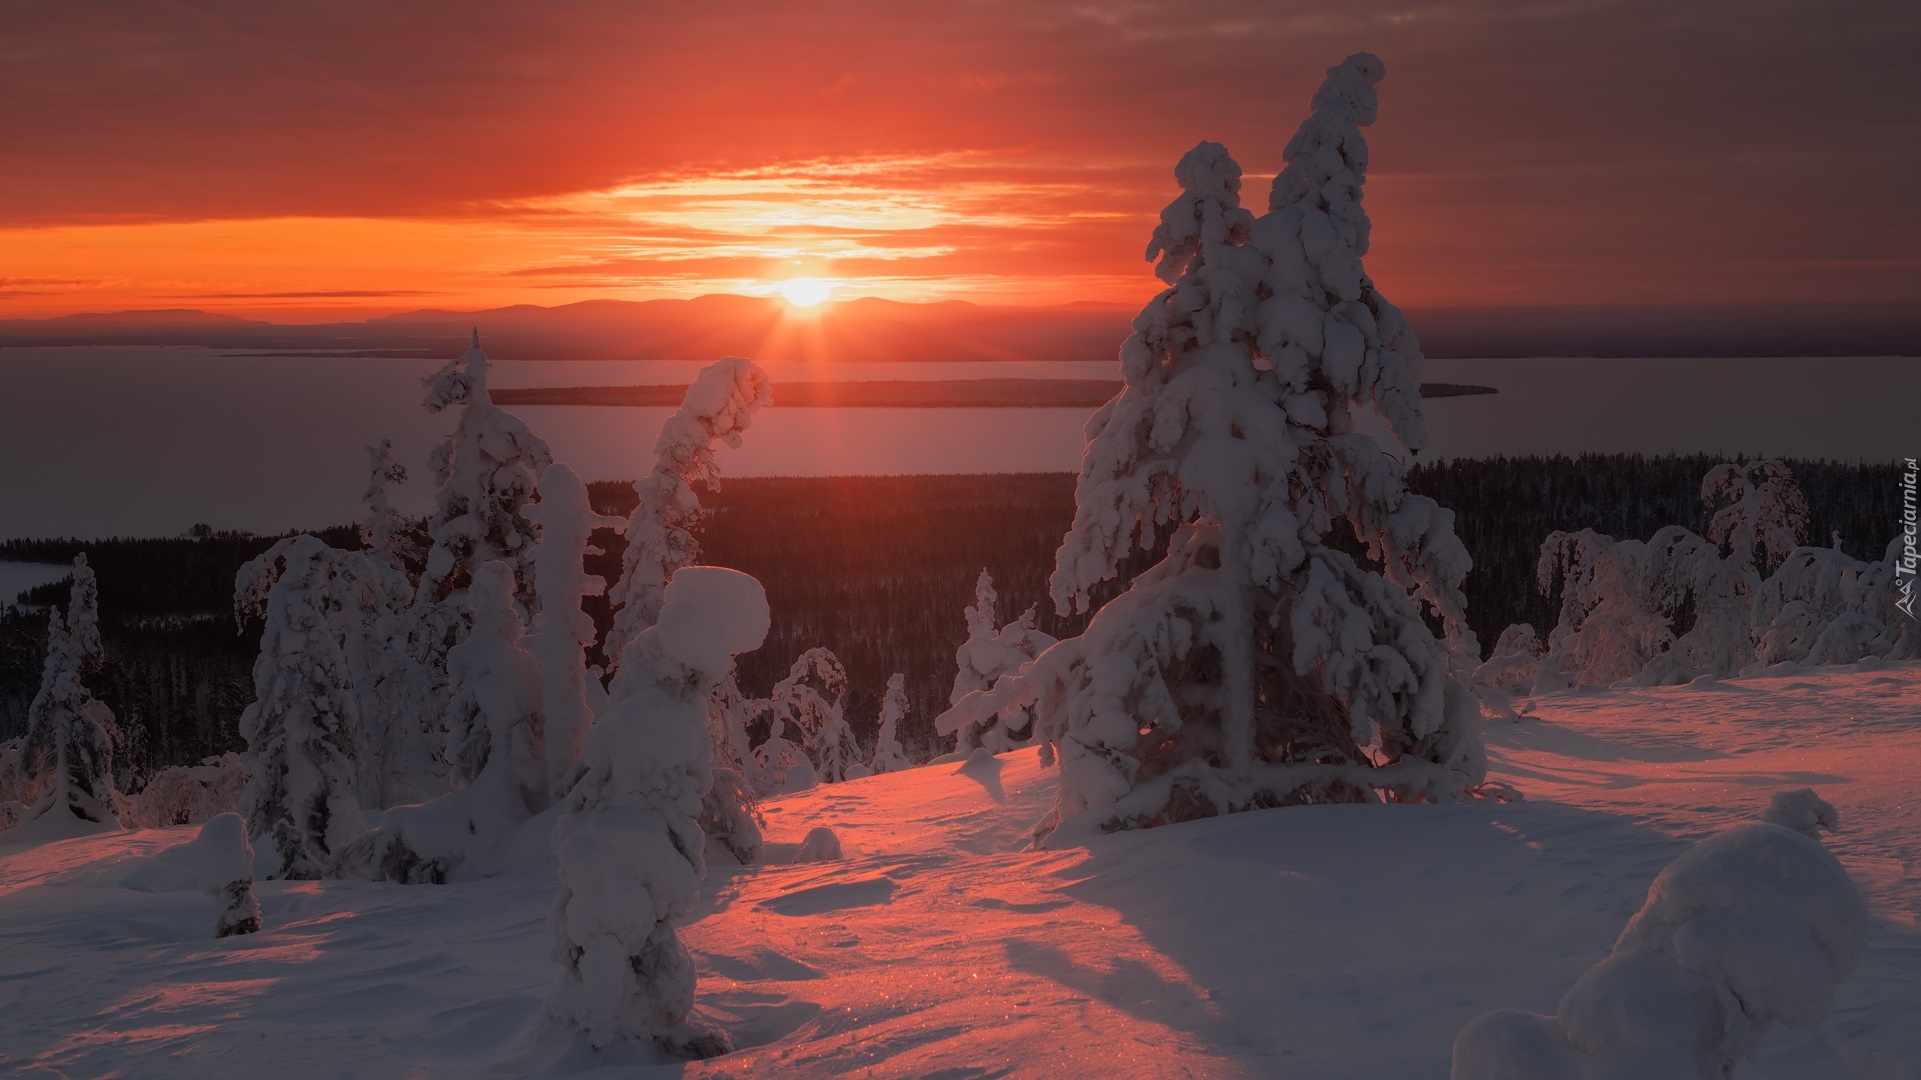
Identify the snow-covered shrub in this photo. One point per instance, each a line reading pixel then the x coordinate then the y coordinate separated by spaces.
pixel 1765 517
pixel 302 725
pixel 811 702
pixel 717 409
pixel 989 652
pixel 1256 665
pixel 1509 671
pixel 486 471
pixel 630 849
pixel 221 861
pixel 1749 928
pixel 67 727
pixel 888 755
pixel 1821 606
pixel 186 794
pixel 728 814
pixel 1621 600
pixel 497 748
pixel 562 632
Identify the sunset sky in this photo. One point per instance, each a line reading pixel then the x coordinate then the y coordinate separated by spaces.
pixel 298 161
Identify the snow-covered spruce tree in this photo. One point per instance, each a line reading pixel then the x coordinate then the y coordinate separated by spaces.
pixel 496 745
pixel 384 529
pixel 888 755
pixel 486 471
pixel 989 652
pixel 68 729
pixel 302 728
pixel 717 409
pixel 1746 929
pixel 1765 518
pixel 631 854
pixel 1255 665
pixel 562 632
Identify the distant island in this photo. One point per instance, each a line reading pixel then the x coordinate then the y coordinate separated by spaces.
pixel 886 394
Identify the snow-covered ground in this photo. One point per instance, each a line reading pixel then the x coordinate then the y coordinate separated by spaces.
pixel 1311 942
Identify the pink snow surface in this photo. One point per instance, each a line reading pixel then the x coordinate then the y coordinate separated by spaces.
pixel 1312 942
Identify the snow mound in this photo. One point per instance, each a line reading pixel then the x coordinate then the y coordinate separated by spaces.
pixel 1753 926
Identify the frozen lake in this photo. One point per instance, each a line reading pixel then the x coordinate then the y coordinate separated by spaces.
pixel 100 441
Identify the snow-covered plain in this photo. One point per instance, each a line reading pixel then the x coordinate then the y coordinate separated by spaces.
pixel 1339 941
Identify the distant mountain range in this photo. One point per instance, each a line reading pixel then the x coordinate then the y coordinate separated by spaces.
pixel 708 327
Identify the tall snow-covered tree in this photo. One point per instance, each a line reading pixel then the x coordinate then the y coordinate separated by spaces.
pixel 1256 665
pixel 1820 606
pixel 631 852
pixel 302 727
pixel 486 471
pixel 716 410
pixel 888 755
pixel 496 749
pixel 990 652
pixel 562 632
pixel 1765 518
pixel 67 727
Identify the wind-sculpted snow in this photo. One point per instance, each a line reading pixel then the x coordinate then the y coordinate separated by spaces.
pixel 1257 665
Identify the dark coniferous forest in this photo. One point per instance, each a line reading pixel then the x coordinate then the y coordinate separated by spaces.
pixel 878 569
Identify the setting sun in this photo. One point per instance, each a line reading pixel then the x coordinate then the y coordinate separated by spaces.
pixel 806 291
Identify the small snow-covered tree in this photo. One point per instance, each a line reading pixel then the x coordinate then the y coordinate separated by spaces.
pixel 496 746
pixel 67 727
pixel 1753 927
pixel 1509 671
pixel 630 849
pixel 990 652
pixel 1765 518
pixel 301 729
pixel 1256 665
pixel 221 861
pixel 486 471
pixel 716 410
pixel 888 755
pixel 562 632
pixel 383 529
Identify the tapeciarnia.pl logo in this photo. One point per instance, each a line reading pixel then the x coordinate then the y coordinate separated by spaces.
pixel 1904 567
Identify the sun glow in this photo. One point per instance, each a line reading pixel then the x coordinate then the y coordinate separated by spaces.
pixel 806 291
